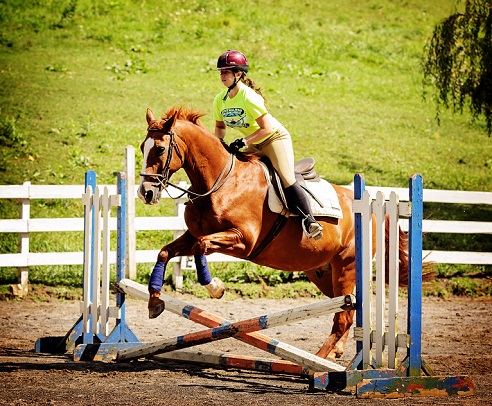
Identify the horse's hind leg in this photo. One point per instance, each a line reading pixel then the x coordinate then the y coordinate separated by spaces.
pixel 334 280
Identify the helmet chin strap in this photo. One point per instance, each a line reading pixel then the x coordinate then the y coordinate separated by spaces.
pixel 236 80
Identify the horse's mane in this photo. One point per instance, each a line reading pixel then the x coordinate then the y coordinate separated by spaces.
pixel 185 114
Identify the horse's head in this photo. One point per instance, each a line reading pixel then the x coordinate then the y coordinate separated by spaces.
pixel 161 157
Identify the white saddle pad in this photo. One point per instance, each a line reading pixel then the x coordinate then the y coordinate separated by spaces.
pixel 324 192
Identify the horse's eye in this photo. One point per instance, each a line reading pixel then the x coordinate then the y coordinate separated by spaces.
pixel 159 150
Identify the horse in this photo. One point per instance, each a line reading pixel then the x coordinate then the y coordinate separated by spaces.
pixel 227 212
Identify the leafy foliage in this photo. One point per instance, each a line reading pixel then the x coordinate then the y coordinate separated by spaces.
pixel 458 61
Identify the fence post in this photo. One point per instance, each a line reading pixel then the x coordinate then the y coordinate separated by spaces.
pixel 131 263
pixel 359 187
pixel 121 253
pixel 89 250
pixel 414 319
pixel 23 271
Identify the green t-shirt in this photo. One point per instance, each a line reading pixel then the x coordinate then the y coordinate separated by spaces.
pixel 242 111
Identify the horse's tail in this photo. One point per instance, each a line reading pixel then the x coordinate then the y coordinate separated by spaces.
pixel 427 272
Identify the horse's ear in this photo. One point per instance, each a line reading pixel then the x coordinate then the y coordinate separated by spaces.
pixel 169 124
pixel 150 116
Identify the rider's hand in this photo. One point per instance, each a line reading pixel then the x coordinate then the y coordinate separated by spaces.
pixel 236 145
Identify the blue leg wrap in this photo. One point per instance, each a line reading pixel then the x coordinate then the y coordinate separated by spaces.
pixel 157 276
pixel 202 271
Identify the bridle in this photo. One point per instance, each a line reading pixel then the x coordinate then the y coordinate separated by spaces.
pixel 163 178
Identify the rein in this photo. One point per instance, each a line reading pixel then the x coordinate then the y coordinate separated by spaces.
pixel 163 178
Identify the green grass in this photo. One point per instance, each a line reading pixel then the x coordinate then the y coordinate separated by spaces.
pixel 76 77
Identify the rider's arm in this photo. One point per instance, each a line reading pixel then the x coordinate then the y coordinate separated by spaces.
pixel 263 132
pixel 220 129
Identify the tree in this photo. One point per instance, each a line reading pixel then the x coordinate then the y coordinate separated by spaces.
pixel 458 61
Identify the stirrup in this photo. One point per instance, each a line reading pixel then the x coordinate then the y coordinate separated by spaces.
pixel 314 229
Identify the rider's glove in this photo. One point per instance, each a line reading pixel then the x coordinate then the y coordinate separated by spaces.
pixel 236 145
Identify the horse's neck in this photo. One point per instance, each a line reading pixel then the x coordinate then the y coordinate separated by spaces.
pixel 205 161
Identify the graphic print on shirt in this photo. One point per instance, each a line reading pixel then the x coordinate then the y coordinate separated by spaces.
pixel 235 117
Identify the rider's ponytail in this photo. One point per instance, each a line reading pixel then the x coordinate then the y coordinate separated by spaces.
pixel 248 82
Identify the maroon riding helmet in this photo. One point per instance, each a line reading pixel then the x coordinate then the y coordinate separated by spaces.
pixel 233 60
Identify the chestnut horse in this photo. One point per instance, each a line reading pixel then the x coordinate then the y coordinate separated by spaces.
pixel 228 213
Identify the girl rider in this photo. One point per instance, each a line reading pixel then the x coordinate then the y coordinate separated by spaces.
pixel 242 106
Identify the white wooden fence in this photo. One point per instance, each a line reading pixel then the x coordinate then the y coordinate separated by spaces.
pixel 25 225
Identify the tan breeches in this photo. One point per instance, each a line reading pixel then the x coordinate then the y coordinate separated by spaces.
pixel 278 148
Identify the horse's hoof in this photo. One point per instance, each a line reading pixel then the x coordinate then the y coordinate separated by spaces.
pixel 216 288
pixel 156 307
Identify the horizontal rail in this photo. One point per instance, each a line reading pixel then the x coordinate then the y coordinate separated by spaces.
pixel 150 256
pixel 450 226
pixel 75 191
pixel 458 257
pixel 175 223
pixel 436 195
pixel 28 225
pixel 62 191
pixel 77 258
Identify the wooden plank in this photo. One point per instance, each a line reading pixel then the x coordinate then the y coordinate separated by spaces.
pixel 17 192
pixel 379 210
pixel 87 200
pixel 176 223
pixel 359 185
pixel 105 269
pixel 367 279
pixel 74 192
pixel 149 256
pixel 160 223
pixel 255 339
pixel 95 277
pixel 457 257
pixel 400 387
pixel 393 279
pixel 457 196
pixel 130 240
pixel 13 226
pixel 279 318
pixel 414 310
pixel 235 361
pixel 62 192
pixel 450 226
pixel 437 196
pixel 335 381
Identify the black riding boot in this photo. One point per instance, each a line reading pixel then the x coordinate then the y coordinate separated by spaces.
pixel 299 203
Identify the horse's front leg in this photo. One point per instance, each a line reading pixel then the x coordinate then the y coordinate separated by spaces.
pixel 182 246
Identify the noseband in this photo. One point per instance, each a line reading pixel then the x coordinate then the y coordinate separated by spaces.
pixel 163 178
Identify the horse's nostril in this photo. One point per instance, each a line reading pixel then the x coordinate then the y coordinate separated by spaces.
pixel 148 196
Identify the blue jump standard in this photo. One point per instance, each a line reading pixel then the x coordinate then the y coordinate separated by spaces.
pixel 406 380
pixel 121 336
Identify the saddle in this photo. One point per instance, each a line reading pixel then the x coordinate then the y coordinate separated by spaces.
pixel 304 169
pixel 322 196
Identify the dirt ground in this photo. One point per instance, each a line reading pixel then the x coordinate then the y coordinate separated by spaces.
pixel 457 340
